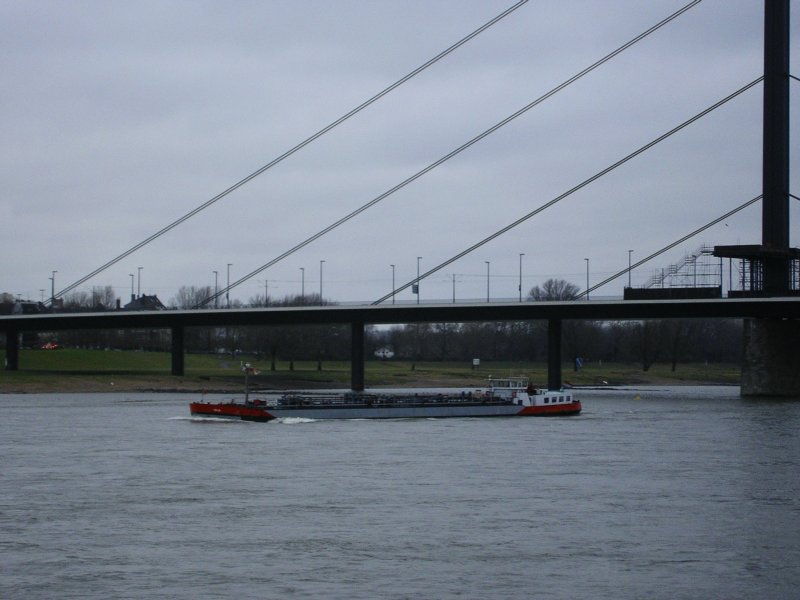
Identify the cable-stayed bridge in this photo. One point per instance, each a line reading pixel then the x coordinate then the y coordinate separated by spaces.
pixel 771 264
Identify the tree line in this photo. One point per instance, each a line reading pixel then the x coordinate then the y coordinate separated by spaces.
pixel 644 341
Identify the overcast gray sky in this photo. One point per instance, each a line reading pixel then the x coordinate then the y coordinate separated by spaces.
pixel 119 117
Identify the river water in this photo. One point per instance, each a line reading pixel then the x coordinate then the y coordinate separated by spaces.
pixel 649 493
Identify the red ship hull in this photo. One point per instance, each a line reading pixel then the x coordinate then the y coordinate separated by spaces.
pixel 554 409
pixel 230 411
pixel 255 412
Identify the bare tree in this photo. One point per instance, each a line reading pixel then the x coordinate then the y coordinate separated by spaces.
pixel 649 343
pixel 554 289
pixel 104 297
pixel 189 296
pixel 676 334
pixel 77 300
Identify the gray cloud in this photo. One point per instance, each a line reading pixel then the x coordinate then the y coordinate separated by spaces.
pixel 118 118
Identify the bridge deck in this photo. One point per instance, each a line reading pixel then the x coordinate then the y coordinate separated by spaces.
pixel 782 307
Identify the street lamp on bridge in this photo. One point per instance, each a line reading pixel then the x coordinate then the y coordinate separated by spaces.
pixel 392 283
pixel 216 289
pixel 487 280
pixel 132 296
pixel 320 282
pixel 520 275
pixel 52 279
pixel 416 285
pixel 629 267
pixel 303 284
pixel 587 277
pixel 228 288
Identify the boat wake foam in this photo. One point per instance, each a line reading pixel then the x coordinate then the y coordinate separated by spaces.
pixel 196 419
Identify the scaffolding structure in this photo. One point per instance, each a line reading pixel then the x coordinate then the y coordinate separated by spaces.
pixel 749 280
pixel 699 269
pixel 701 272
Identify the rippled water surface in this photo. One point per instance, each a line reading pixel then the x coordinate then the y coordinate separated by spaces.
pixel 650 493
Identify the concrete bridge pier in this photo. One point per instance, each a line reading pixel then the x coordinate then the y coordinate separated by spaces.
pixel 554 354
pixel 177 350
pixel 357 356
pixel 771 357
pixel 771 365
pixel 12 350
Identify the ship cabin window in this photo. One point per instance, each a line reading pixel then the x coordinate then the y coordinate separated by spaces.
pixel 561 398
pixel 547 400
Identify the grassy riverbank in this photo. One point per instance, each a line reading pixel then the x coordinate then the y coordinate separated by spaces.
pixel 101 371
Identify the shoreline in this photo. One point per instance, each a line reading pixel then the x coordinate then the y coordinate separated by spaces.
pixel 53 383
pixel 88 371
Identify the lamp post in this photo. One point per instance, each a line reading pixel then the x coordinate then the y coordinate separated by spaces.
pixel 52 279
pixel 228 288
pixel 487 280
pixel 302 284
pixel 454 288
pixel 629 267
pixel 320 282
pixel 587 277
pixel 520 276
pixel 392 283
pixel 418 259
pixel 132 296
pixel 139 281
pixel 216 289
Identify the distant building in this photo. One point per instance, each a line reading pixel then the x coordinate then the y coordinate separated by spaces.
pixel 384 353
pixel 145 302
pixel 20 307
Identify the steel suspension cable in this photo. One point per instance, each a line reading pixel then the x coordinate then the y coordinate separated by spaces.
pixel 672 245
pixel 299 146
pixel 581 185
pixel 453 153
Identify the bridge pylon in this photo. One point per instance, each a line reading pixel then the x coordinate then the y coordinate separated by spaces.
pixel 771 365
